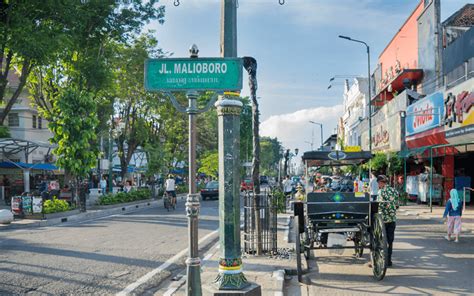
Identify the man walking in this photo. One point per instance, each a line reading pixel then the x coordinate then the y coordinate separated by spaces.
pixel 388 198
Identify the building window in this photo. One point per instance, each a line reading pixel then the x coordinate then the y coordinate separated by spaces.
pixel 470 68
pixel 40 122
pixel 34 121
pixel 13 119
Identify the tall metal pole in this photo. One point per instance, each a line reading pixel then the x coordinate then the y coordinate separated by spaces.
pixel 370 99
pixel 111 160
pixel 193 263
pixel 230 275
pixel 322 137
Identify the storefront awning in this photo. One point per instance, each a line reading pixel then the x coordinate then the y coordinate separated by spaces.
pixel 396 85
pixel 31 166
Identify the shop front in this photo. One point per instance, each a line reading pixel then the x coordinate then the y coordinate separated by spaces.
pixel 439 136
pixel 459 131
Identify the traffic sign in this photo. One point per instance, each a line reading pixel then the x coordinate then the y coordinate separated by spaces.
pixel 193 74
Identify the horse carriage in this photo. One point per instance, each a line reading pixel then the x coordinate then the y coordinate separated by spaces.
pixel 351 214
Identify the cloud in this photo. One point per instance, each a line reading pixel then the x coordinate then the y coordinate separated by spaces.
pixel 354 14
pixel 294 130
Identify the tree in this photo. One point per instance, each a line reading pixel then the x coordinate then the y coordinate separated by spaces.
pixel 73 125
pixel 270 155
pixel 66 39
pixel 210 164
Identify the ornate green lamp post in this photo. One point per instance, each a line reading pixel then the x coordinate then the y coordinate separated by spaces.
pixel 230 275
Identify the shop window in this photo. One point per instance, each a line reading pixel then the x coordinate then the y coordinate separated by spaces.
pixel 40 122
pixel 13 119
pixel 34 121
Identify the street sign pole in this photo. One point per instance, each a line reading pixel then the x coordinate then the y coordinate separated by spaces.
pixel 192 75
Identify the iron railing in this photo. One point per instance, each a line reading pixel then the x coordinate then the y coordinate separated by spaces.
pixel 267 207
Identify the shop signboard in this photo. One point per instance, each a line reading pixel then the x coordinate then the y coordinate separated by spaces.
pixel 37 205
pixel 459 116
pixel 386 134
pixel 425 114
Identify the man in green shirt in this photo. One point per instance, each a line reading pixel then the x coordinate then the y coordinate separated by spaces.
pixel 388 198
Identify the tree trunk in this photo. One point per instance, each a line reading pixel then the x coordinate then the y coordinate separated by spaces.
pixel 250 64
pixel 25 71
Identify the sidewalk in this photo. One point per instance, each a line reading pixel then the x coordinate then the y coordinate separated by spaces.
pixel 266 271
pixel 423 211
pixel 93 212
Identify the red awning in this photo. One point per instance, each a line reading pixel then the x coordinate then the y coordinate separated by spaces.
pixel 414 75
pixel 428 139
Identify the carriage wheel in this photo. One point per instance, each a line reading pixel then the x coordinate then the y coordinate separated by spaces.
pixel 359 248
pixel 379 250
pixel 299 270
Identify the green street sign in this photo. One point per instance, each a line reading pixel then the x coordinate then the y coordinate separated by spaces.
pixel 217 74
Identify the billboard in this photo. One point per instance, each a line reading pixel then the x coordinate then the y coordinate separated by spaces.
pixel 425 114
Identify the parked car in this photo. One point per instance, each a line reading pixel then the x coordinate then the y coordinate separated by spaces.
pixel 246 185
pixel 263 180
pixel 211 190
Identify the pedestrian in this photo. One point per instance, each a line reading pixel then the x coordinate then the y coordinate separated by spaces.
pixel 373 187
pixel 453 212
pixel 128 186
pixel 287 186
pixel 103 185
pixel 388 198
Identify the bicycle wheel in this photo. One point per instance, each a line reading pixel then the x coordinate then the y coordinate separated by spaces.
pixel 166 203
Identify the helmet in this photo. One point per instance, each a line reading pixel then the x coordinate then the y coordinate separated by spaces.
pixel 170 176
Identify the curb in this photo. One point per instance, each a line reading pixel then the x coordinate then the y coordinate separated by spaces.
pixel 279 276
pixel 124 208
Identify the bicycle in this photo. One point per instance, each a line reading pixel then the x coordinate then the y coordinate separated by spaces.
pixel 169 201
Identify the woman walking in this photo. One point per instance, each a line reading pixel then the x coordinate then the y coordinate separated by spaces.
pixel 454 212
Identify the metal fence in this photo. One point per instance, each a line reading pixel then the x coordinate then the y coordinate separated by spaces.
pixel 267 207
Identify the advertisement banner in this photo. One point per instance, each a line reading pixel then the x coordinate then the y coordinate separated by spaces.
pixel 425 114
pixel 459 117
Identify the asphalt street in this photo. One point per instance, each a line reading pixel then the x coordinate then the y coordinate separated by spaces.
pixel 424 264
pixel 100 257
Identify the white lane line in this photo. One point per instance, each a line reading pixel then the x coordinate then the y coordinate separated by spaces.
pixel 176 285
pixel 160 268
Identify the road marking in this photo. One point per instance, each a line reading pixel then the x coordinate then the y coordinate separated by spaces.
pixel 176 285
pixel 160 268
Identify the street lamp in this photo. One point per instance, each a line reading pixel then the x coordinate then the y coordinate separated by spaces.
pixel 368 77
pixel 321 125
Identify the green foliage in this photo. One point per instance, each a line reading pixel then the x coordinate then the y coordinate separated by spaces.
pixel 4 132
pixel 210 164
pixel 73 126
pixel 280 199
pixel 270 155
pixel 385 163
pixel 123 197
pixel 394 164
pixel 70 39
pixel 55 206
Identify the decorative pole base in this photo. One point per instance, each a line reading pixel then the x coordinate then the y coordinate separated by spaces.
pixel 230 275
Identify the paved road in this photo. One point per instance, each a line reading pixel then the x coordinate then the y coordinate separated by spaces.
pixel 99 257
pixel 424 264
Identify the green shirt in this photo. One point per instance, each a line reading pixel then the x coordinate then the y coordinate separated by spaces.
pixel 388 206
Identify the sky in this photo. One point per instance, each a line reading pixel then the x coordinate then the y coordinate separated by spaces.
pixel 297 49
